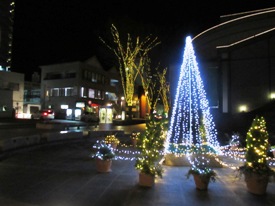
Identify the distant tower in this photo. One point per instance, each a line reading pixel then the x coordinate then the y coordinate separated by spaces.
pixel 6 30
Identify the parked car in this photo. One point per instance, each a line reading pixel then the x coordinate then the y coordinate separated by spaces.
pixel 89 117
pixel 43 114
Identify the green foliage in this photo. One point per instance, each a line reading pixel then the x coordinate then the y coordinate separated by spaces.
pixel 111 139
pixel 179 148
pixel 202 149
pixel 201 163
pixel 151 146
pixel 257 142
pixel 205 174
pixel 256 150
pixel 103 151
pixel 260 169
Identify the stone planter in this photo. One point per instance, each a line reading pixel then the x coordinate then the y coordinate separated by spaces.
pixel 134 142
pixel 201 181
pixel 146 180
pixel 103 166
pixel 256 184
pixel 114 145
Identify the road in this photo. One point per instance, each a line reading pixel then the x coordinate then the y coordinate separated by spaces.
pixel 19 127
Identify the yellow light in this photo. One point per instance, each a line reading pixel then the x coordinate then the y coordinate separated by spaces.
pixel 272 95
pixel 243 108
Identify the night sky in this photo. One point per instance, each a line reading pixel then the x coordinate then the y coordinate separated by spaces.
pixel 55 31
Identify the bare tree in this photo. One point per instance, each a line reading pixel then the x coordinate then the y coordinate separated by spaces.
pixel 164 90
pixel 131 58
pixel 154 84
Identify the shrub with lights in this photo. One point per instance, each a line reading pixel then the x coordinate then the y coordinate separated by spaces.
pixel 200 161
pixel 102 151
pixel 151 146
pixel 200 167
pixel 256 150
pixel 111 139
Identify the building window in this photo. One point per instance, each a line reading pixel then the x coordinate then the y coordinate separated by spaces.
pixel 93 77
pixel 62 92
pixel 89 76
pixel 14 86
pixel 55 92
pixel 69 91
pixel 91 93
pixel 70 75
pixel 83 92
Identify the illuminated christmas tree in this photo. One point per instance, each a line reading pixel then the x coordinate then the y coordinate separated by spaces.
pixel 191 123
pixel 257 143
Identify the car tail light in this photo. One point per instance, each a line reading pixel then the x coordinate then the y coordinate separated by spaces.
pixel 45 113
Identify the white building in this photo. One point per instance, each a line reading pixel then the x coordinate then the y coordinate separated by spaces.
pixel 11 92
pixel 75 87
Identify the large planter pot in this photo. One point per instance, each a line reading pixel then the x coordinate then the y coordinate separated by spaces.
pixel 146 180
pixel 114 145
pixel 103 165
pixel 256 184
pixel 134 142
pixel 201 181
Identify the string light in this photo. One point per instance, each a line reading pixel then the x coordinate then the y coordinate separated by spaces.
pixel 191 109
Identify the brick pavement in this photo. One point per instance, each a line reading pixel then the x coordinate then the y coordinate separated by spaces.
pixel 64 174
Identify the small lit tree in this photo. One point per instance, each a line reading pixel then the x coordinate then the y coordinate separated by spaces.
pixel 256 169
pixel 151 142
pixel 151 146
pixel 257 142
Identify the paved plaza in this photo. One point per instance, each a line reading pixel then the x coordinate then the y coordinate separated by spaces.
pixel 64 174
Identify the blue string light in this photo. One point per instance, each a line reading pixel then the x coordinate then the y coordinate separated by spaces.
pixel 191 108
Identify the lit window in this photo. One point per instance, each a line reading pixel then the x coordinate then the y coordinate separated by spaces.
pixel 69 91
pixel 83 92
pixel 91 93
pixel 272 95
pixel 55 92
pixel 64 106
pixel 243 108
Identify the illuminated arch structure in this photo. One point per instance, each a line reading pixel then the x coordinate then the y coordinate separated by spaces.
pixel 191 122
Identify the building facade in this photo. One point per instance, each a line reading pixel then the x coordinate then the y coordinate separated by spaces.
pixel 32 95
pixel 11 92
pixel 74 88
pixel 237 61
pixel 6 31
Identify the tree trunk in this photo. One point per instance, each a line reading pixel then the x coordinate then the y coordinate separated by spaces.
pixel 130 113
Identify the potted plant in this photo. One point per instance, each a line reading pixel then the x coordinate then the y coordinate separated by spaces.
pixel 134 138
pixel 103 156
pixel 200 169
pixel 202 176
pixel 151 146
pixel 112 140
pixel 256 170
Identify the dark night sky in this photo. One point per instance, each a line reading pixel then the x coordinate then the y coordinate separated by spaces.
pixel 53 31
